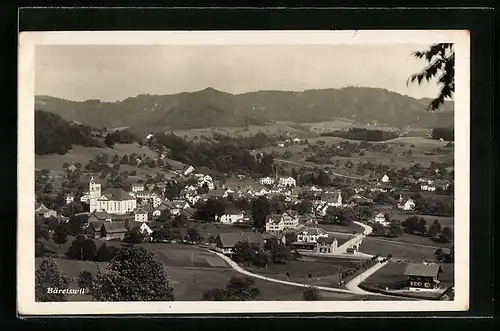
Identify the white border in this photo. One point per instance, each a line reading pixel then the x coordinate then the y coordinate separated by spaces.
pixel 26 165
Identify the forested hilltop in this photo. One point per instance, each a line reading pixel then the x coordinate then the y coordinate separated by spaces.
pixel 53 134
pixel 210 107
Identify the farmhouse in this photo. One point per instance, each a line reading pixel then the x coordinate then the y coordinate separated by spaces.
pixel 69 198
pixel 141 215
pixel 428 187
pixel 406 205
pixel 142 228
pixel 42 211
pixel 231 215
pixel 99 216
pixel 225 242
pixel 385 179
pixel 137 187
pixel 380 219
pixel 278 223
pixel 187 170
pixel 266 181
pixel 287 182
pixel 113 230
pixel 423 276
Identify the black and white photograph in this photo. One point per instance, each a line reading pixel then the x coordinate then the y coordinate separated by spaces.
pixel 207 172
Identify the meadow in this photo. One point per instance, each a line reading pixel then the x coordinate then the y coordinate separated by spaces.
pixel 399 250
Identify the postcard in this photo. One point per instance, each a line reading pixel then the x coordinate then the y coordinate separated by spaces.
pixel 175 172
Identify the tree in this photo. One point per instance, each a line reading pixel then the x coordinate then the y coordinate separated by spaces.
pixel 125 159
pixel 76 223
pixel 279 251
pixel 85 279
pixel 105 253
pixel 410 225
pixel 434 229
pixel 295 175
pixel 422 226
pixel 179 221
pixel 193 235
pixel 134 236
pixel 441 64
pixel 48 276
pixel 311 294
pixel 109 140
pixel 439 254
pixel 261 208
pixel 82 249
pixel 395 230
pixel 133 275
pixel 446 235
pixel 237 289
pixel 60 235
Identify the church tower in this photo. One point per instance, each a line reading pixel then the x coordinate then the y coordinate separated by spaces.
pixel 95 193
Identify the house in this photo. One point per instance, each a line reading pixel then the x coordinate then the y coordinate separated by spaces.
pixel 266 181
pixel 69 198
pixel 175 207
pixel 358 199
pixel 99 216
pixel 268 236
pixel 137 188
pixel 408 205
pixel 93 229
pixel 42 211
pixel 149 136
pixel 380 219
pixel 261 192
pixel 71 168
pixel 116 201
pixel 225 242
pixel 231 215
pixel 428 187
pixel 287 181
pixel 423 276
pixel 385 179
pixel 188 212
pixel 311 235
pixel 326 245
pixel 187 170
pixel 142 228
pixel 85 197
pixel 278 223
pixel 141 215
pixel 315 189
pixel 113 230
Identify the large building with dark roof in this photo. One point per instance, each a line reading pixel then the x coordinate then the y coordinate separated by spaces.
pixel 116 201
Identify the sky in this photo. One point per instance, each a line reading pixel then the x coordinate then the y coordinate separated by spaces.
pixel 112 73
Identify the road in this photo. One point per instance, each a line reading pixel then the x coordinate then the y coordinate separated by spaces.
pixel 353 285
pixel 310 166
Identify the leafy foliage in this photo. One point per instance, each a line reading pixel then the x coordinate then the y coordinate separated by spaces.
pixel 237 289
pixel 82 249
pixel 85 279
pixel 48 275
pixel 133 275
pixel 55 135
pixel 261 208
pixel 311 294
pixel 362 134
pixel 441 65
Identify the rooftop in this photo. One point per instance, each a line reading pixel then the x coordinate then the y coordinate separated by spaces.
pixel 422 269
pixel 117 194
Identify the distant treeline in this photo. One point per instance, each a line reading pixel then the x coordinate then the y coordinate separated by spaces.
pixel 54 135
pixel 120 137
pixel 362 134
pixel 447 134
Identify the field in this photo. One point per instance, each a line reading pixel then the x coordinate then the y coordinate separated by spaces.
pixel 399 250
pixel 325 272
pixel 352 227
pixel 207 271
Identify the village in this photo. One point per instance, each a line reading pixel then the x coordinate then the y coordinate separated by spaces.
pixel 372 224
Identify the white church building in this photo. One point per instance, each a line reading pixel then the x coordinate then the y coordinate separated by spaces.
pixel 112 200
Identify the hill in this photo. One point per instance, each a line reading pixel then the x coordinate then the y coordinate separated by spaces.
pixel 53 134
pixel 210 107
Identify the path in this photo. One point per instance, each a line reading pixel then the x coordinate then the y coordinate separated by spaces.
pixel 237 268
pixel 402 243
pixel 353 285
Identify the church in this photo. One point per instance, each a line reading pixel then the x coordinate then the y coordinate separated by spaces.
pixel 112 200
